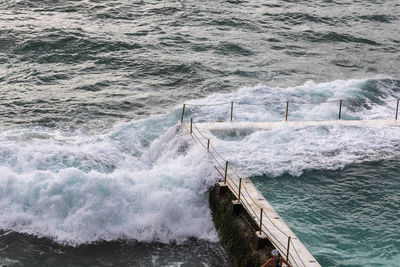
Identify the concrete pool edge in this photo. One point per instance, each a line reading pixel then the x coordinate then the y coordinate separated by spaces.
pixel 239 230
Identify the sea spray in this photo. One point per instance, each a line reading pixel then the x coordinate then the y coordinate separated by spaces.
pixel 297 148
pixel 363 99
pixel 164 200
pixel 147 180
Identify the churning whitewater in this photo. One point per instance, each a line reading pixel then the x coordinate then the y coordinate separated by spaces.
pixel 294 149
pixel 92 157
pixel 147 180
pixel 80 189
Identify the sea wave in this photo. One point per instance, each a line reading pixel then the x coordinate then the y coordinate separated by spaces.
pixel 69 193
pixel 147 180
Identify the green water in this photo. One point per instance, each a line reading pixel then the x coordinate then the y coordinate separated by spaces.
pixel 347 217
pixel 81 83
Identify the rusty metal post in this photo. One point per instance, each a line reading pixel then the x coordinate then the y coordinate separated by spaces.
pixel 240 187
pixel 183 112
pixel 397 108
pixel 191 125
pixel 226 171
pixel 340 109
pixel 261 213
pixel 287 109
pixel 231 110
pixel 208 145
pixel 287 251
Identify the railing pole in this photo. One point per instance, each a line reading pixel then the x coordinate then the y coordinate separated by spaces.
pixel 191 125
pixel 183 112
pixel 240 187
pixel 287 251
pixel 397 108
pixel 226 171
pixel 208 145
pixel 287 109
pixel 340 109
pixel 231 110
pixel 261 213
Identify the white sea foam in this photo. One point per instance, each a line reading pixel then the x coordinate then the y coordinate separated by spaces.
pixel 85 190
pixel 368 100
pixel 147 180
pixel 295 149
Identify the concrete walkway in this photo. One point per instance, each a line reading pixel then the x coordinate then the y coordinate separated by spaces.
pixel 273 226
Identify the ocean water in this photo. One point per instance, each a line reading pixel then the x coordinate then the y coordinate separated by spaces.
pixel 95 172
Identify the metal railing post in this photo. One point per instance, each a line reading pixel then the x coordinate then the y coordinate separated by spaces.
pixel 183 112
pixel 191 125
pixel 397 108
pixel 226 171
pixel 340 109
pixel 261 213
pixel 231 110
pixel 240 187
pixel 208 145
pixel 287 109
pixel 287 251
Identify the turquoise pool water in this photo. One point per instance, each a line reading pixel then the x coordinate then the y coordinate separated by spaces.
pixel 347 217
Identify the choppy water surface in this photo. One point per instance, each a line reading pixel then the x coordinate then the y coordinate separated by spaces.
pixel 90 160
pixel 31 251
pixel 74 63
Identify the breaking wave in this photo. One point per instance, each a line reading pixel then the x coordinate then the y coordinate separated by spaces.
pixel 146 179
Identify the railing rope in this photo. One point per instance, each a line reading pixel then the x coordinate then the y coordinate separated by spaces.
pixel 230 181
pixel 278 102
pixel 242 197
pixel 287 106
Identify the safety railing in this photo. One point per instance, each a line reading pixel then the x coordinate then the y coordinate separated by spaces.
pixel 339 102
pixel 234 181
